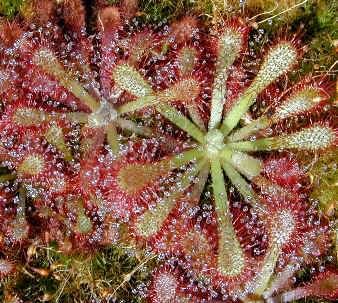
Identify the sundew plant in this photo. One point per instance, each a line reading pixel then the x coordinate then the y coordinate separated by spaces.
pixel 177 139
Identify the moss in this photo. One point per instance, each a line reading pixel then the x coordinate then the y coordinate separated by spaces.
pixel 281 12
pixel 113 273
pixel 9 8
pixel 326 15
pixel 155 11
pixel 320 33
pixel 325 179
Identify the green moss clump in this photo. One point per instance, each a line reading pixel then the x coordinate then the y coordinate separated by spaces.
pixel 281 12
pixel 155 11
pixel 9 8
pixel 326 15
pixel 114 273
pixel 325 181
pixel 320 33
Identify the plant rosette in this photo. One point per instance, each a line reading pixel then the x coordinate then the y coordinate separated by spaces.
pixel 226 195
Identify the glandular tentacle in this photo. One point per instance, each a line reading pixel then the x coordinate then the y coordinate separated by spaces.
pixel 55 136
pixel 185 91
pixel 247 130
pixel 130 80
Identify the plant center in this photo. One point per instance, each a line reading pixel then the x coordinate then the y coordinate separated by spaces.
pixel 214 143
pixel 105 115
